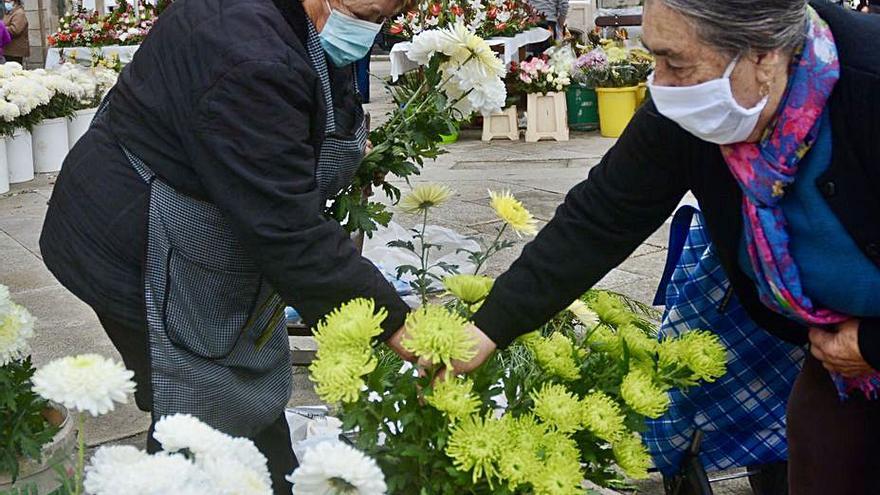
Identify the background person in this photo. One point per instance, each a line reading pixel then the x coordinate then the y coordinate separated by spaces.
pixel 17 25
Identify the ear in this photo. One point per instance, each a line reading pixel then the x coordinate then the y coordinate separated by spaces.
pixel 767 66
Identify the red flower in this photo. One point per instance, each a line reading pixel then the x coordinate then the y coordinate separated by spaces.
pixel 492 13
pixel 501 26
pixel 457 11
pixel 436 10
pixel 395 29
pixel 52 41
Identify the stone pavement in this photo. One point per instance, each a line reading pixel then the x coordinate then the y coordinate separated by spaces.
pixel 538 174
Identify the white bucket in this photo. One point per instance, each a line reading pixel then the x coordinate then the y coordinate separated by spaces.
pixel 4 168
pixel 79 124
pixel 50 145
pixel 20 157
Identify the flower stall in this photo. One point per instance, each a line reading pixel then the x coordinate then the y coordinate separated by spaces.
pixel 43 113
pixel 87 35
pixel 506 25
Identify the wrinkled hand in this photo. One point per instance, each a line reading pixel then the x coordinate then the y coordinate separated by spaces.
pixel 839 351
pixel 368 148
pixel 482 344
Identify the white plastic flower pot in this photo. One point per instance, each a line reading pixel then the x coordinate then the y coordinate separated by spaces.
pixel 20 157
pixel 79 124
pixel 50 145
pixel 4 168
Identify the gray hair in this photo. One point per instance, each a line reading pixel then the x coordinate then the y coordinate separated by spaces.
pixel 740 26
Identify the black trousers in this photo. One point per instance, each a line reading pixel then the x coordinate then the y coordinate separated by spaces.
pixel 833 446
pixel 273 442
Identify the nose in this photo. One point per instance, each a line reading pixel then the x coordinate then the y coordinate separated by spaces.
pixel 663 76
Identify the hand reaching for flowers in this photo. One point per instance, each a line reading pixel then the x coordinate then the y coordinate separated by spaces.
pixel 482 350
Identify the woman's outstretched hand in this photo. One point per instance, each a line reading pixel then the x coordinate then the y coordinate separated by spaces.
pixel 482 343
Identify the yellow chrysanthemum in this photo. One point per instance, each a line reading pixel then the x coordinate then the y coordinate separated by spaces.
pixel 555 354
pixel 616 54
pixel 513 213
pixel 454 397
pixel 632 456
pixel 470 289
pixel 424 197
pixel 558 408
pixel 639 345
pixel 611 310
pixel 436 334
pixel 606 340
pixel 704 354
pixel 559 475
pixel 602 416
pixel 462 46
pixel 352 326
pixel 475 445
pixel 588 318
pixel 644 396
pixel 520 460
pixel 338 376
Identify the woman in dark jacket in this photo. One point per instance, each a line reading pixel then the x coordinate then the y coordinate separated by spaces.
pixel 769 112
pixel 192 211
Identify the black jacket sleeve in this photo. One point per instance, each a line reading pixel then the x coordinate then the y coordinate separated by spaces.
pixel 253 154
pixel 603 220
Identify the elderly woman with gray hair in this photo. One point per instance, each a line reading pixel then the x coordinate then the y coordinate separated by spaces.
pixel 767 110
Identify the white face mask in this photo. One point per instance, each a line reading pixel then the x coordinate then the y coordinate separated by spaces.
pixel 708 110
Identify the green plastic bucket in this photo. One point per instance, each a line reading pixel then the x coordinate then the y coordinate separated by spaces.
pixel 583 108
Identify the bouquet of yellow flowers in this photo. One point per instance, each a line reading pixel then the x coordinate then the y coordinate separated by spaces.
pixel 561 405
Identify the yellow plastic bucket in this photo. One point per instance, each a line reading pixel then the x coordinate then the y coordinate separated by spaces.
pixel 616 108
pixel 641 94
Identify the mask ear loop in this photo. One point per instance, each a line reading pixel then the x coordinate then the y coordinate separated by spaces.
pixel 729 70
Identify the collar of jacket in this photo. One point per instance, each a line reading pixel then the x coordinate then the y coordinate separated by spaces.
pixel 295 15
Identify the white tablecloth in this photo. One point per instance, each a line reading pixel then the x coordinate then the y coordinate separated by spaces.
pixel 401 64
pixel 84 54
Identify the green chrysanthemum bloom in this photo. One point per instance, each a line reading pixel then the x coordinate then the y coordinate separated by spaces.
pixel 559 475
pixel 605 339
pixel 643 395
pixel 520 460
pixel 352 326
pixel 602 416
pixel 454 397
pixel 704 354
pixel 639 344
pixel 470 289
pixel 435 334
pixel 558 408
pixel 632 456
pixel 339 376
pixel 611 310
pixel 555 354
pixel 425 197
pixel 475 446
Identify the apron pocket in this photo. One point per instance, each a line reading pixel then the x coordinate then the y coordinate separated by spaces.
pixel 207 310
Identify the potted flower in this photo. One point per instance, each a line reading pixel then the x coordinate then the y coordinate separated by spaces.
pixel 35 434
pixel 643 62
pixel 544 84
pixel 616 87
pixel 94 83
pixel 28 94
pixel 50 134
pixel 583 103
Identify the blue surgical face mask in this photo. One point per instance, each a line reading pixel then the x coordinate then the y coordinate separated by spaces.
pixel 346 39
pixel 9 6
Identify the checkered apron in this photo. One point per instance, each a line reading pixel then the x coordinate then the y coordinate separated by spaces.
pixel 742 414
pixel 218 340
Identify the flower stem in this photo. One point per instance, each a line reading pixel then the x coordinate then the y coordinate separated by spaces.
pixel 81 454
pixel 491 250
pixel 423 275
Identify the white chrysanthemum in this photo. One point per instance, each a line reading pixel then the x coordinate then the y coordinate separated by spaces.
pixel 26 93
pixel 10 69
pixel 105 79
pixel 16 328
pixel 116 470
pixel 8 111
pixel 61 85
pixel 86 383
pixel 185 432
pixel 424 46
pixel 588 318
pixel 231 477
pixel 333 467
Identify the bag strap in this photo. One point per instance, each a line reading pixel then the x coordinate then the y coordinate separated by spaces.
pixel 678 233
